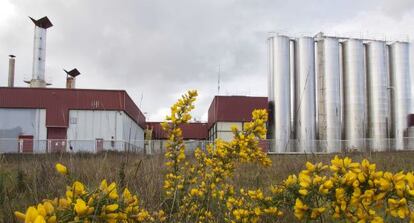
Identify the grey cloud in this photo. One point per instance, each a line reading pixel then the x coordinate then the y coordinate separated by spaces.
pixel 397 9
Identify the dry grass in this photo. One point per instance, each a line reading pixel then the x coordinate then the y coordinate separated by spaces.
pixel 27 179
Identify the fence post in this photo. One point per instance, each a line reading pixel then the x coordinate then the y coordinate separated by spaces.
pixel 20 145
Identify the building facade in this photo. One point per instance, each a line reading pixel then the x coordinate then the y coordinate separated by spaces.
pixel 228 111
pixel 51 119
pixel 42 120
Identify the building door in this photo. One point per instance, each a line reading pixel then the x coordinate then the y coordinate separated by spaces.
pixel 99 145
pixel 56 139
pixel 26 144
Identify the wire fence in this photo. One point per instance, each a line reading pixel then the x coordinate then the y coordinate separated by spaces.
pixel 30 146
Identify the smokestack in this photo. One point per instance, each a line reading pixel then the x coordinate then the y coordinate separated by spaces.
pixel 39 52
pixel 71 77
pixel 11 70
pixel 70 82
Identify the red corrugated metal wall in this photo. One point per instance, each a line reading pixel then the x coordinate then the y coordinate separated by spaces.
pixel 234 108
pixel 58 102
pixel 56 133
pixel 197 131
pixel 133 111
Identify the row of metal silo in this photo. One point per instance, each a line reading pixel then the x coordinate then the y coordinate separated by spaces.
pixel 330 94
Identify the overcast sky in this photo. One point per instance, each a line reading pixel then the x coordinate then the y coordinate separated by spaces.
pixel 156 50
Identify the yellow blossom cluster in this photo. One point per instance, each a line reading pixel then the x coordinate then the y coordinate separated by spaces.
pixel 79 204
pixel 179 172
pixel 200 191
pixel 348 191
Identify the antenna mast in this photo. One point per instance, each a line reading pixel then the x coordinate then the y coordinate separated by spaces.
pixel 218 81
pixel 140 102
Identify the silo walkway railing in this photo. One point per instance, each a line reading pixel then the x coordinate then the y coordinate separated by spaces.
pixel 338 146
pixel 32 146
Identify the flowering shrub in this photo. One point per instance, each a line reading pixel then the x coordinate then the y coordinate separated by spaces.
pixel 351 192
pixel 200 189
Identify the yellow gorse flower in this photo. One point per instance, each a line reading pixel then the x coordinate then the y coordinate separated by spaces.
pixel 61 169
pixel 80 207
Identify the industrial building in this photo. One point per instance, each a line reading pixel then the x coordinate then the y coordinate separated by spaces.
pixel 194 135
pixel 228 111
pixel 223 113
pixel 333 94
pixel 69 120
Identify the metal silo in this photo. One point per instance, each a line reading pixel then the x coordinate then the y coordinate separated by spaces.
pixel 329 95
pixel 378 95
pixel 280 87
pixel 270 95
pixel 354 88
pixel 305 104
pixel 270 84
pixel 400 91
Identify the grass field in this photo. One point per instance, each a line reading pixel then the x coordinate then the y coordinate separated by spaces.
pixel 27 179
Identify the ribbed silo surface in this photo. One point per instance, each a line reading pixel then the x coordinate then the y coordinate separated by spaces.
pixel 305 103
pixel 270 93
pixel 280 65
pixel 270 81
pixel 359 99
pixel 329 95
pixel 354 90
pixel 401 92
pixel 378 95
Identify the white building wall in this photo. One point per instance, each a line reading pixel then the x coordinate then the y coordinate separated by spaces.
pixel 225 136
pixel 132 132
pixel 16 122
pixel 226 126
pixel 115 128
pixel 223 131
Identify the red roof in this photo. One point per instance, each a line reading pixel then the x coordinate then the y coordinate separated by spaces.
pixel 194 130
pixel 234 108
pixel 58 102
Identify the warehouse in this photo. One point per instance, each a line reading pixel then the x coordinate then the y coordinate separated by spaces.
pixel 55 119
pixel 195 135
pixel 224 112
pixel 228 111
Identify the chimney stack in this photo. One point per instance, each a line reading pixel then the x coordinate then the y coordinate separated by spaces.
pixel 11 70
pixel 71 77
pixel 70 82
pixel 39 52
